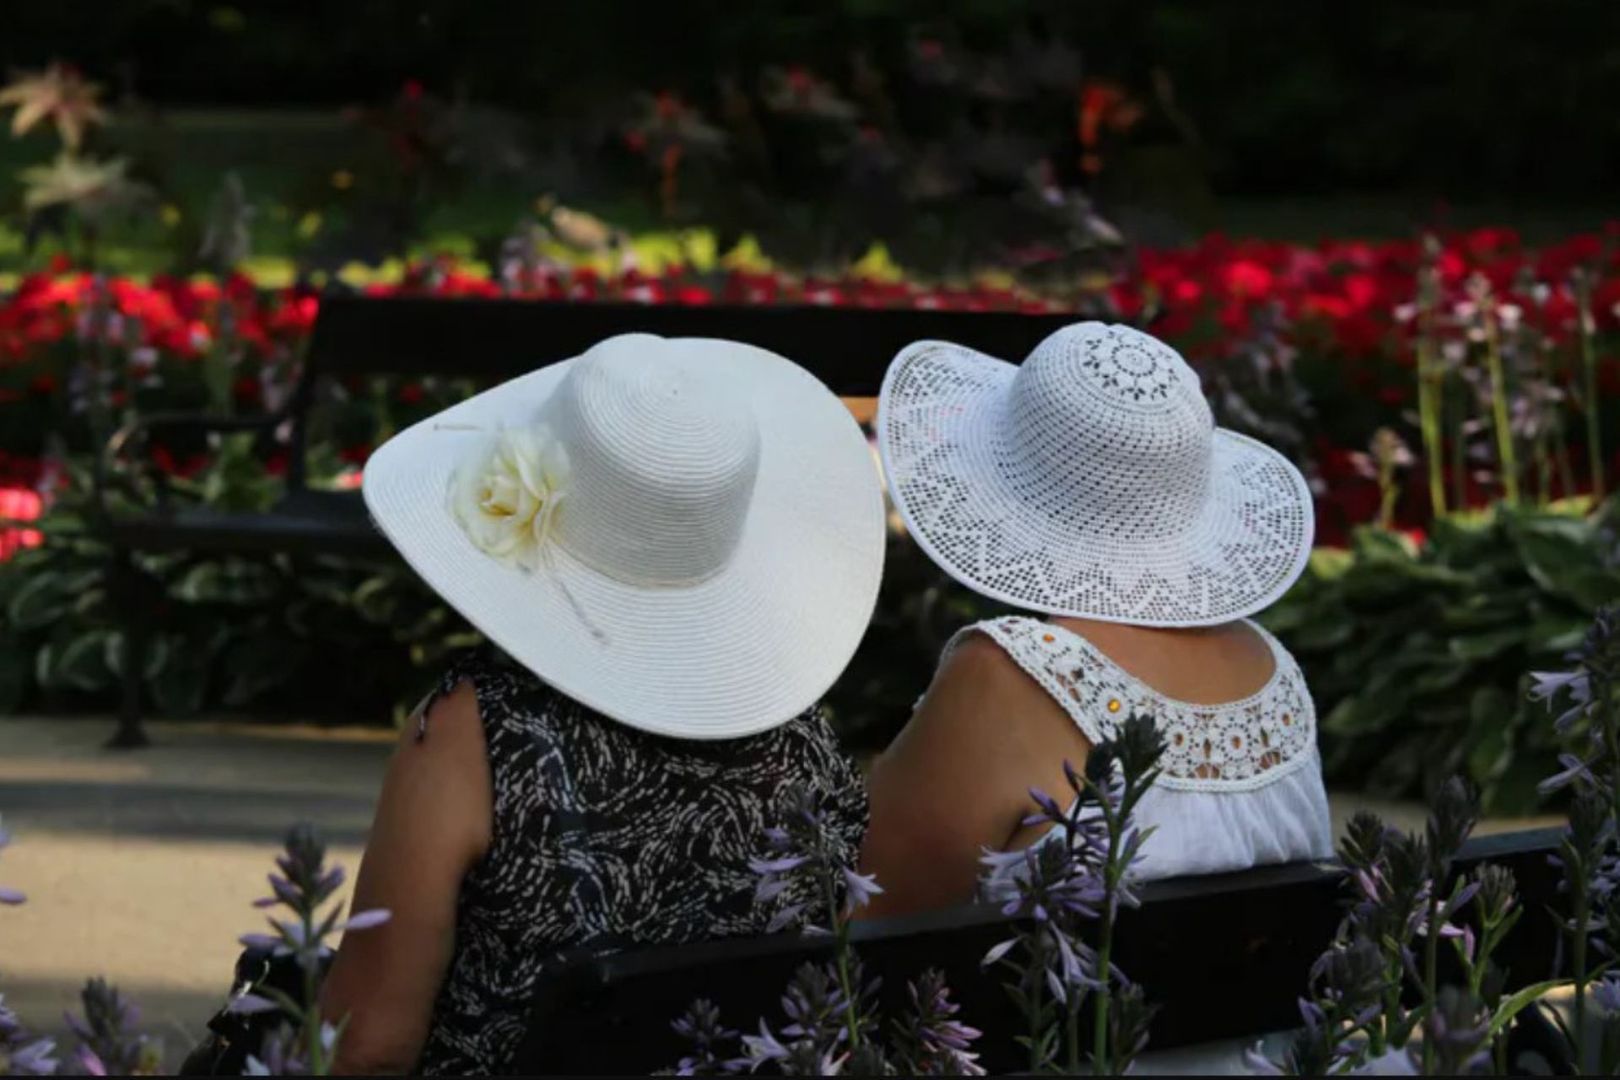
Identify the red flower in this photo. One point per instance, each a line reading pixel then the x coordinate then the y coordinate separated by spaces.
pixel 1247 278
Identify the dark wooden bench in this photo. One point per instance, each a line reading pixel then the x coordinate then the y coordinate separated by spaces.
pixel 485 341
pixel 1223 957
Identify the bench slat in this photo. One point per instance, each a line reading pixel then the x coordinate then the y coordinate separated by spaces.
pixel 847 348
pixel 1223 957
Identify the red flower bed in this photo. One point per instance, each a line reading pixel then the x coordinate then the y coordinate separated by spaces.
pixel 1342 311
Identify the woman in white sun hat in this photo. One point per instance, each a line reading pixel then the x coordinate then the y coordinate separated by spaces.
pixel 1090 487
pixel 676 546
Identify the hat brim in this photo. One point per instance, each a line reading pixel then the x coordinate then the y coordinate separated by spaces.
pixel 741 652
pixel 940 428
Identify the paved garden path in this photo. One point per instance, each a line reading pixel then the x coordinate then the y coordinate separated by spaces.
pixel 142 865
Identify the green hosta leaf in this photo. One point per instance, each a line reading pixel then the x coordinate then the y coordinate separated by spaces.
pixel 1444 675
pixel 1512 1006
pixel 178 689
pixel 1360 716
pixel 15 674
pixel 235 583
pixel 1491 644
pixel 1556 634
pixel 157 654
pixel 257 665
pixel 81 664
pixel 1491 607
pixel 1561 556
pixel 1490 756
pixel 1368 543
pixel 42 600
pixel 377 600
pixel 1326 631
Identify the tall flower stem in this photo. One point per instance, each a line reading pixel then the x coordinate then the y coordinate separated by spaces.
pixel 1431 957
pixel 1459 459
pixel 1578 969
pixel 1071 1037
pixel 1589 382
pixel 1105 941
pixel 1431 392
pixel 1506 455
pixel 1032 1001
pixel 1566 471
pixel 841 954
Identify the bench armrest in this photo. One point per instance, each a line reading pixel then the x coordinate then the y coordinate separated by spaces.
pixel 108 468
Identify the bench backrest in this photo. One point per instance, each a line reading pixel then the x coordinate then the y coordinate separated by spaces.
pixel 1224 956
pixel 489 340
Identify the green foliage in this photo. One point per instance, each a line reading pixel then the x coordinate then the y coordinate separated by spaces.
pixel 328 639
pixel 1417 656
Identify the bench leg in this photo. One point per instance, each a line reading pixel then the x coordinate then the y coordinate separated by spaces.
pixel 127 594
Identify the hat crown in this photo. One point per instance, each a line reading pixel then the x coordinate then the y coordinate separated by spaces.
pixel 663 457
pixel 1109 432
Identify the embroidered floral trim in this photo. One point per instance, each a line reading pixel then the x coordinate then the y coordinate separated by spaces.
pixel 1237 746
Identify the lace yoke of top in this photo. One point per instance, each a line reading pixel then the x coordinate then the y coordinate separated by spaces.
pixel 1234 746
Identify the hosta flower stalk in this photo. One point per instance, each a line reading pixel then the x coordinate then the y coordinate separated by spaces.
pixel 1587 333
pixel 1431 379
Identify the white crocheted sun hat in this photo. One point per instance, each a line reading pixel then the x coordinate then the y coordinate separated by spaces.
pixel 1090 481
pixel 685 535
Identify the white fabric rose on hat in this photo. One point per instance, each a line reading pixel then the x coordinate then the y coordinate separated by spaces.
pixel 507 498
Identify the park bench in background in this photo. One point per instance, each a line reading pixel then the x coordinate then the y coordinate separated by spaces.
pixel 1223 957
pixel 487 341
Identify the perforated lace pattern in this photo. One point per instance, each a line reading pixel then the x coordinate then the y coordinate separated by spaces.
pixel 1236 746
pixel 1090 481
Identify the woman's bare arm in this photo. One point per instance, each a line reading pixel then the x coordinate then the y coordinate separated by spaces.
pixel 957 779
pixel 433 824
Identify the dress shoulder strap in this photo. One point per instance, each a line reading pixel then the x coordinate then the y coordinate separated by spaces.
pixel 1056 663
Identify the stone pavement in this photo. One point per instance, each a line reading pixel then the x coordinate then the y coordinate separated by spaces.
pixel 142 865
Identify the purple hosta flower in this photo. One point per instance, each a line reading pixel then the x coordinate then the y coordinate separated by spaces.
pixel 108 1041
pixel 802 1057
pixel 815 1005
pixel 34 1058
pixel 284 1052
pixel 1365 838
pixel 701 1027
pixel 23 1054
pixel 936 1042
pixel 1572 770
pixel 805 865
pixel 1053 900
pixel 304 884
pixel 1498 893
pixel 764 1047
pixel 1576 684
pixel 1458 1029
pixel 8 896
pixel 858 890
pixel 1452 817
pixel 1128 1022
pixel 1348 978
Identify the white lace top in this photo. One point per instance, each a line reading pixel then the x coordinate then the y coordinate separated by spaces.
pixel 1241 782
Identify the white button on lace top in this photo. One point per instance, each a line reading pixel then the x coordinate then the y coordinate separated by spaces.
pixel 1240 783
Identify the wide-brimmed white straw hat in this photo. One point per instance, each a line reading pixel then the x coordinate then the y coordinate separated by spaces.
pixel 1090 481
pixel 685 535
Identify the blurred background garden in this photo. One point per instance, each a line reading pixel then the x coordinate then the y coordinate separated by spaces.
pixel 1387 238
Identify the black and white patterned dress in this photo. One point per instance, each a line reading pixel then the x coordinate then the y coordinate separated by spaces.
pixel 605 838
